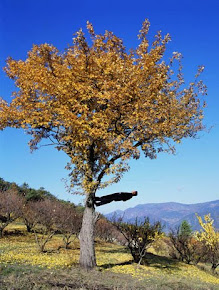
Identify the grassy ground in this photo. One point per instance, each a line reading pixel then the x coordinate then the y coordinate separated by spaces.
pixel 23 267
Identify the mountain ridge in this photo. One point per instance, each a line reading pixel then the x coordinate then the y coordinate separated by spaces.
pixel 171 214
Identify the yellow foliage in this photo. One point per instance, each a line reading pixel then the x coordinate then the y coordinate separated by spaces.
pixel 208 234
pixel 100 104
pixel 22 250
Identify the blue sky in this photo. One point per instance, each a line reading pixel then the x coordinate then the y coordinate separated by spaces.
pixel 192 175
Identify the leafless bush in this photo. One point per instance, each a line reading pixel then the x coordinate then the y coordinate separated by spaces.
pixel 44 226
pixel 11 204
pixel 106 231
pixel 185 247
pixel 67 221
pixel 30 215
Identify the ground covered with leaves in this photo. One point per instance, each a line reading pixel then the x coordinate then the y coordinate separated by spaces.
pixel 23 267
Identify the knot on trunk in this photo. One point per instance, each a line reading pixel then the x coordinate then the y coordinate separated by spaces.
pixel 90 201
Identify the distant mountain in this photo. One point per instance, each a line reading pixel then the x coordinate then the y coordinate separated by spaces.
pixel 171 214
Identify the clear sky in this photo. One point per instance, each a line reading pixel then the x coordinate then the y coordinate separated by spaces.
pixel 192 175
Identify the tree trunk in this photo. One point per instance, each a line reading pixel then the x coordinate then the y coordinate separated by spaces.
pixel 87 251
pixel 214 266
pixel 29 228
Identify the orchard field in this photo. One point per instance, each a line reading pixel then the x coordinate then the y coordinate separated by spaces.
pixel 23 266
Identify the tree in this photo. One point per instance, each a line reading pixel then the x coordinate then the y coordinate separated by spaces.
pixel 102 106
pixel 185 229
pixel 67 222
pixel 106 231
pixel 139 236
pixel 4 185
pixel 32 194
pixel 11 205
pixel 44 225
pixel 185 246
pixel 210 237
pixel 30 214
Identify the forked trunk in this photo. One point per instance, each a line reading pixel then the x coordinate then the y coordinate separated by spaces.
pixel 87 251
pixel 214 266
pixel 29 228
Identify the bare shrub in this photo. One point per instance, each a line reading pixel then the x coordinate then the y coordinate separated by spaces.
pixel 106 231
pixel 184 246
pixel 30 215
pixel 67 221
pixel 44 227
pixel 11 205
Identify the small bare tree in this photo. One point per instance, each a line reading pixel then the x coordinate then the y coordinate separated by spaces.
pixel 30 215
pixel 138 235
pixel 68 222
pixel 10 208
pixel 44 227
pixel 184 246
pixel 106 231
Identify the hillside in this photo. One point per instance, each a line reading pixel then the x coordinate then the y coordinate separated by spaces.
pixel 171 214
pixel 24 267
pixel 25 190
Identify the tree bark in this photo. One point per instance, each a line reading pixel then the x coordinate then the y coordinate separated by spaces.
pixel 214 266
pixel 29 228
pixel 87 251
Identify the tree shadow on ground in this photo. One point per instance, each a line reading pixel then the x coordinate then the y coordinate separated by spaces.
pixel 111 265
pixel 14 232
pixel 160 262
pixel 150 260
pixel 113 251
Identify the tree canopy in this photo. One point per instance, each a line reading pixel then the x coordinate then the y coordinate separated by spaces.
pixel 210 237
pixel 185 229
pixel 102 105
